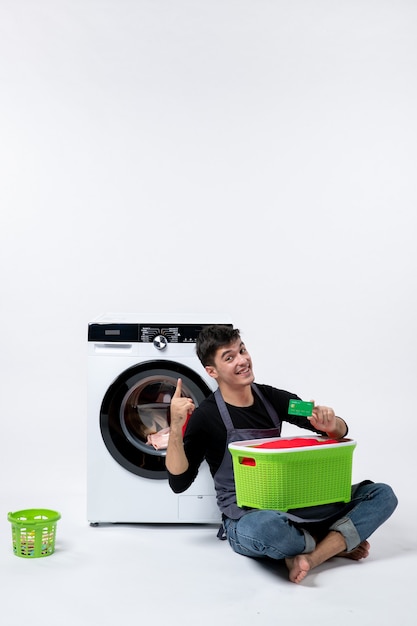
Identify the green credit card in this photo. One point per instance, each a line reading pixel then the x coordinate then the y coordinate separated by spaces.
pixel 299 407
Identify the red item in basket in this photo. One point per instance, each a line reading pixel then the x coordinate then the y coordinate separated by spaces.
pixel 298 442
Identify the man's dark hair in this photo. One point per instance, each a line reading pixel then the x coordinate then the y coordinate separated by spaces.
pixel 211 338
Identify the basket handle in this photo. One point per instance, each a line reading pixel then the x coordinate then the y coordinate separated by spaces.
pixel 247 460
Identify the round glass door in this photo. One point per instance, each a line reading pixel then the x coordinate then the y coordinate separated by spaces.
pixel 135 414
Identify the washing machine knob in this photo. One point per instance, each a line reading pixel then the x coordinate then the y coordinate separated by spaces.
pixel 160 342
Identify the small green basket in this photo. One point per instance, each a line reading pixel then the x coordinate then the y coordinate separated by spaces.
pixel 291 478
pixel 33 532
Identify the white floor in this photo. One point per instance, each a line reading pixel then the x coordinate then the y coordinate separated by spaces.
pixel 114 574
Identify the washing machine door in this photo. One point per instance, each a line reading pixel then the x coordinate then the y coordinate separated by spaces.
pixel 135 414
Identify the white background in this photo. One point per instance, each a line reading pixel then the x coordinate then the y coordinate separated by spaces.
pixel 255 158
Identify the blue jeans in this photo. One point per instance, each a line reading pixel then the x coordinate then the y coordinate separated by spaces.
pixel 265 533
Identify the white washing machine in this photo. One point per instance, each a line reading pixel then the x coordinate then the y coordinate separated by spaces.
pixel 134 363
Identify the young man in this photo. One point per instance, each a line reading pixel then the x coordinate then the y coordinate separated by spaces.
pixel 239 410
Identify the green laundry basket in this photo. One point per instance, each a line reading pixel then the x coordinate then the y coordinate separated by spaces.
pixel 33 532
pixel 291 478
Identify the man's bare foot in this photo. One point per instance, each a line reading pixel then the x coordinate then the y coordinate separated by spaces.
pixel 298 567
pixel 360 552
pixel 332 545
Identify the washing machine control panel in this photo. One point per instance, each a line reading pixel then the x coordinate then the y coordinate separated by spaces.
pixel 169 333
pixel 158 334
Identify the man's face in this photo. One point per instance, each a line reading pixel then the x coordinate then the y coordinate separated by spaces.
pixel 232 365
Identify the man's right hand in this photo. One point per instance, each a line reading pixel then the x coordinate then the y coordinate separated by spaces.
pixel 176 460
pixel 181 407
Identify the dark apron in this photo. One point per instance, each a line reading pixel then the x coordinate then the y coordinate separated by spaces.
pixel 224 477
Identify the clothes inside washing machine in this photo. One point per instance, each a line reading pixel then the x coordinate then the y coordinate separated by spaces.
pixel 147 414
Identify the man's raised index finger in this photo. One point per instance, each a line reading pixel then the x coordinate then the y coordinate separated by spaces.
pixel 178 389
